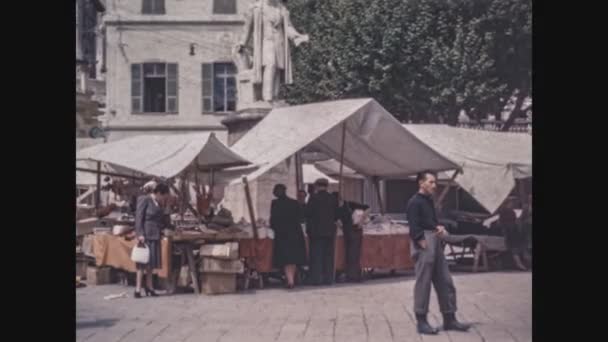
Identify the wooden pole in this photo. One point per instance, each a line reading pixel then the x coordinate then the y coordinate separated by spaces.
pixel 114 174
pixel 299 171
pixel 340 184
pixel 194 211
pixel 98 192
pixel 521 192
pixel 377 185
pixel 439 203
pixel 250 207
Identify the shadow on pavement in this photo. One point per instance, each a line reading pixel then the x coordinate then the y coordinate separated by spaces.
pixel 100 323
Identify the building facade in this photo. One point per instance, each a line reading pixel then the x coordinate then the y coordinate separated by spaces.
pixel 169 65
pixel 90 85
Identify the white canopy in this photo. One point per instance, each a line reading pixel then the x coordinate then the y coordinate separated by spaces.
pixel 310 174
pixel 376 144
pixel 164 155
pixel 490 161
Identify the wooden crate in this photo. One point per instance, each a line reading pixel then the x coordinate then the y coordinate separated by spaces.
pixel 218 283
pixel 82 264
pixel 211 265
pixel 98 275
pixel 227 251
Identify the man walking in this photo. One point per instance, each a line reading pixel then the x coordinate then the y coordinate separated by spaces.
pixel 321 217
pixel 427 252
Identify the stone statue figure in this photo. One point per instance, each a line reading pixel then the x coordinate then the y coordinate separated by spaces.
pixel 263 54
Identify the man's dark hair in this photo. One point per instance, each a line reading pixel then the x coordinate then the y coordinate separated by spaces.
pixel 161 188
pixel 279 190
pixel 422 175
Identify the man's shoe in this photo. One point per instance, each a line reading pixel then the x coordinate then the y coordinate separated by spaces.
pixel 425 328
pixel 451 323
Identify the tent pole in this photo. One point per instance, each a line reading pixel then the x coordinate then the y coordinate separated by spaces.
pixel 299 171
pixel 98 192
pixel 439 203
pixel 521 192
pixel 194 211
pixel 113 174
pixel 250 207
pixel 342 160
pixel 377 185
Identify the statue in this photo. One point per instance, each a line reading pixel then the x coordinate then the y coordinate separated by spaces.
pixel 263 56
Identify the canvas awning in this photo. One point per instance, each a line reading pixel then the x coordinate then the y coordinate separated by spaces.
pixel 310 174
pixel 164 155
pixel 375 145
pixel 490 161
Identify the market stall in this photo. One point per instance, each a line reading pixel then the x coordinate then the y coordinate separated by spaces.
pixel 358 133
pixel 494 164
pixel 180 157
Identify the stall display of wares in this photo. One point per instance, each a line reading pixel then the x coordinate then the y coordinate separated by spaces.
pixel 382 225
pixel 102 230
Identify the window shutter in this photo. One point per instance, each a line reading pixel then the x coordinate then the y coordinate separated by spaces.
pixel 146 7
pixel 136 88
pixel 224 6
pixel 153 7
pixel 172 87
pixel 207 77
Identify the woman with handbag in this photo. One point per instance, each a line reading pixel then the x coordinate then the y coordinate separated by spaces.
pixel 353 235
pixel 150 220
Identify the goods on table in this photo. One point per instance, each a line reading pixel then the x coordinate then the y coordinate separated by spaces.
pixel 382 225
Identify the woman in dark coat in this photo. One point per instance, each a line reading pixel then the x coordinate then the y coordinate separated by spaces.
pixel 285 220
pixel 150 220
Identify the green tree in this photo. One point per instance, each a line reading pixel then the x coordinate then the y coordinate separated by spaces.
pixel 424 60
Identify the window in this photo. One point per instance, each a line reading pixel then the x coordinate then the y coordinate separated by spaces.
pixel 224 6
pixel 153 7
pixel 219 87
pixel 154 88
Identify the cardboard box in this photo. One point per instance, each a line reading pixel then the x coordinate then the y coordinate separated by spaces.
pixel 214 283
pixel 98 275
pixel 227 251
pixel 211 265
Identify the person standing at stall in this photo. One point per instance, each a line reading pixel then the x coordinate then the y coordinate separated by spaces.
pixel 321 212
pixel 289 246
pixel 431 267
pixel 150 220
pixel 353 237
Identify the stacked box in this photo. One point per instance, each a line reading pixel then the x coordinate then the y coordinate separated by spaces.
pixel 219 267
pixel 98 275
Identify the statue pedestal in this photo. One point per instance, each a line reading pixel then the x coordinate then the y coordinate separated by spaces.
pixel 244 119
pixel 239 124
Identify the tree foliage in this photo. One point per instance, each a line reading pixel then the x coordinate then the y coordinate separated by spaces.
pixel 424 60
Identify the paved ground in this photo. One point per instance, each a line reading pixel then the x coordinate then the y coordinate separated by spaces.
pixel 499 305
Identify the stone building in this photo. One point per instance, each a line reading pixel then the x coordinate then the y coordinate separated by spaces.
pixel 169 65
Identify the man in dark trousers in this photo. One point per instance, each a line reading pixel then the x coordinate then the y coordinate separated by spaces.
pixel 427 252
pixel 321 217
pixel 353 237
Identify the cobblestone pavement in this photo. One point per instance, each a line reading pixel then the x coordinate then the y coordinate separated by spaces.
pixel 499 304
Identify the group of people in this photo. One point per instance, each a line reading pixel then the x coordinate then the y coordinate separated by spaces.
pixel 321 214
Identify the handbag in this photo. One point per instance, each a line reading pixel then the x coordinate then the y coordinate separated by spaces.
pixel 140 253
